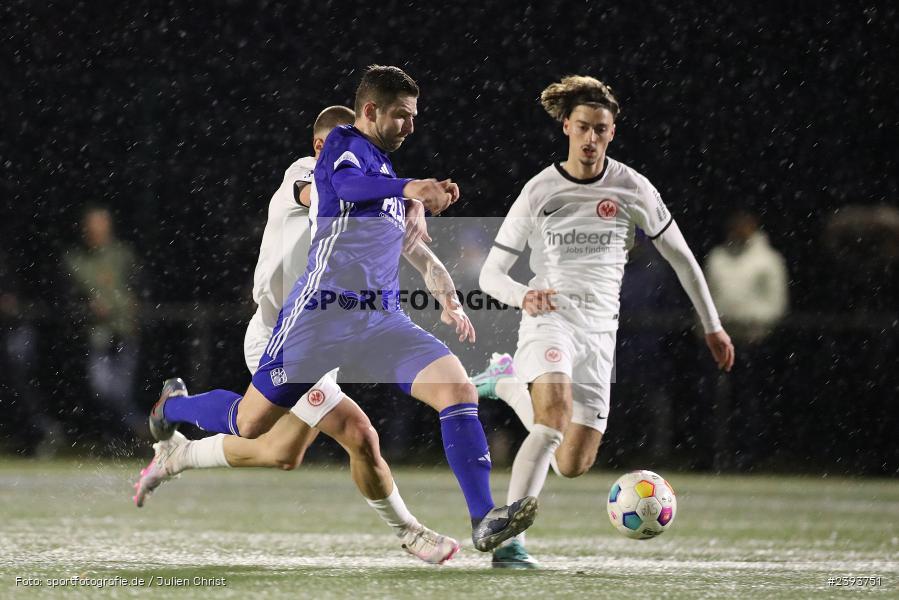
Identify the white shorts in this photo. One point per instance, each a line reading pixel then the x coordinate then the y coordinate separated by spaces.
pixel 549 344
pixel 312 406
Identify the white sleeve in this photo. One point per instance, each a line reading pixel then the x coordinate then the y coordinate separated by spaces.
pixel 299 175
pixel 673 247
pixel 649 212
pixel 508 246
pixel 301 171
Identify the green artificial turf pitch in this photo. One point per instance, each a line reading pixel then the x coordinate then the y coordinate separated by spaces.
pixel 308 534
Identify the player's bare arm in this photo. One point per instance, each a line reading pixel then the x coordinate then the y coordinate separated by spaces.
pixel 440 284
pixel 437 279
pixel 304 196
pixel 416 224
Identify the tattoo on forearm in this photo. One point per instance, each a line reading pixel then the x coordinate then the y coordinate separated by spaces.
pixel 439 281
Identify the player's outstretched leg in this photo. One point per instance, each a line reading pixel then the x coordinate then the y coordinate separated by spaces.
pixel 221 411
pixel 284 446
pixel 444 386
pixel 351 428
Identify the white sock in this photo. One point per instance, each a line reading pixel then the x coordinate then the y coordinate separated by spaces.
pixel 393 511
pixel 205 453
pixel 515 393
pixel 532 464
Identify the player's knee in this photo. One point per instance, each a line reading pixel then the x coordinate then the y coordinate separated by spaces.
pixel 249 427
pixel 370 445
pixel 361 439
pixel 572 470
pixel 458 393
pixel 574 466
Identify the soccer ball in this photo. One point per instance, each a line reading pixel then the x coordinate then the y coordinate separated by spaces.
pixel 642 505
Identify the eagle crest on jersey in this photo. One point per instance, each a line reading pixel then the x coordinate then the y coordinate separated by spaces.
pixel 607 208
pixel 574 252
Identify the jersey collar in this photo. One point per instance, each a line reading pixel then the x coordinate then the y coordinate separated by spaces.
pixel 594 179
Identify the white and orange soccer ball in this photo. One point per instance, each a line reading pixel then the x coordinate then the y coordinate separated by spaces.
pixel 642 505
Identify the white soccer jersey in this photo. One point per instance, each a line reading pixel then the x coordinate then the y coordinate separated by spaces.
pixel 285 243
pixel 579 232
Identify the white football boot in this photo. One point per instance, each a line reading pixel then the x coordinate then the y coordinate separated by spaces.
pixel 162 468
pixel 428 545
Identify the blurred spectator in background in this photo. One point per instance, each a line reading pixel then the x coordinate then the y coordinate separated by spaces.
pixel 748 281
pixel 863 243
pixel 33 428
pixel 102 274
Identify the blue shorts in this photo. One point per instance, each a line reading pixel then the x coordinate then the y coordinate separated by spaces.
pixel 305 344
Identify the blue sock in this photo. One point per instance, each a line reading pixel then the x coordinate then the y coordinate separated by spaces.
pixel 466 451
pixel 213 411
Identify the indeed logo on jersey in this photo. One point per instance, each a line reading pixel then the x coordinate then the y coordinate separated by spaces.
pixel 583 243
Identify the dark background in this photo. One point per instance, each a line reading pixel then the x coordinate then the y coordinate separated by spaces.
pixel 182 119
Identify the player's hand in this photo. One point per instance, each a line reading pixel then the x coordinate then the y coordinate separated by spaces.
pixel 454 314
pixel 722 349
pixel 451 188
pixel 416 225
pixel 431 193
pixel 537 302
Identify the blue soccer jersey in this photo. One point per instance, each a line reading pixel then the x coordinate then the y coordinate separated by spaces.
pixel 358 220
pixel 358 229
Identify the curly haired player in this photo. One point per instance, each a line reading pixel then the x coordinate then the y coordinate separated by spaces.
pixel 578 217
